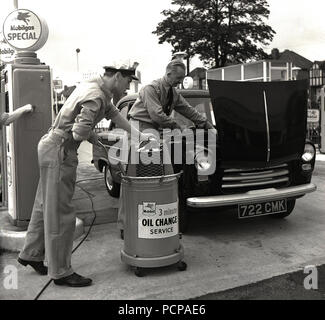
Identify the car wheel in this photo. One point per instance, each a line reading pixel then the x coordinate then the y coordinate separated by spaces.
pixel 112 187
pixel 290 206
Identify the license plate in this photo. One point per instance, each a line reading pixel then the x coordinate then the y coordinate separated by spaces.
pixel 261 208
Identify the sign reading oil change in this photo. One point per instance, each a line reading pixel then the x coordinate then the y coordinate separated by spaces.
pixel 157 221
pixel 24 30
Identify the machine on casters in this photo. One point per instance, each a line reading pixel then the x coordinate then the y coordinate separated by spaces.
pixel 150 201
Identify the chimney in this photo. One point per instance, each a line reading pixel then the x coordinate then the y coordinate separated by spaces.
pixel 275 54
pixel 135 65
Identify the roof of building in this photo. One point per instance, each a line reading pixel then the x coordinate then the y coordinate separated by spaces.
pixel 296 59
pixel 321 64
pixel 198 72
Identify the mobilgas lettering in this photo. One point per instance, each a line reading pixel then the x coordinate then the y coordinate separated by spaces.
pixel 7 51
pixel 22 36
pixel 22 27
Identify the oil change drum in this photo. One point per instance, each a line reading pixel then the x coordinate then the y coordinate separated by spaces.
pixel 151 232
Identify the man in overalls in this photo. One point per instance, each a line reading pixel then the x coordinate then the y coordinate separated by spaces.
pixel 53 219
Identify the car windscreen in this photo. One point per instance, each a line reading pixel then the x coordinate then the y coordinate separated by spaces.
pixel 202 105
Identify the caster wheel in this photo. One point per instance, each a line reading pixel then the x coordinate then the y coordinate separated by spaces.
pixel 181 266
pixel 138 272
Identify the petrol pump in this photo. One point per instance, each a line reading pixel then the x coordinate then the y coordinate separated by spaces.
pixel 25 81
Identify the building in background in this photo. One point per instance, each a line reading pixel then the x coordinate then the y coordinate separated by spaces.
pixel 199 76
pixel 301 65
pixel 317 83
pixel 316 80
pixel 280 66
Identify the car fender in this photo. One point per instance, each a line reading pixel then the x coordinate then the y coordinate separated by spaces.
pixel 101 163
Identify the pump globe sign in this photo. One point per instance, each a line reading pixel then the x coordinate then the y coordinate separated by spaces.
pixel 24 30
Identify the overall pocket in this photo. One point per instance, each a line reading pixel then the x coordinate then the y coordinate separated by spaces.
pixel 49 152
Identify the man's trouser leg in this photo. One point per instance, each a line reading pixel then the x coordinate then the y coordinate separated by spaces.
pixel 34 248
pixel 58 164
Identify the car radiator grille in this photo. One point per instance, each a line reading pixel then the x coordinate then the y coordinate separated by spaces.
pixel 240 180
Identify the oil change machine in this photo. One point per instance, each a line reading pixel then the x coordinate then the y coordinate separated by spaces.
pixel 150 195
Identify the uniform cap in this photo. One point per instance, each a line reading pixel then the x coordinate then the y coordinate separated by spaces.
pixel 126 72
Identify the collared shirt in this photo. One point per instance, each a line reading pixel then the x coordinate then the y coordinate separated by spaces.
pixel 88 104
pixel 152 101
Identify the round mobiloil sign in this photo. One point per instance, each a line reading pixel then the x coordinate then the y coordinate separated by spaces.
pixel 188 83
pixel 24 30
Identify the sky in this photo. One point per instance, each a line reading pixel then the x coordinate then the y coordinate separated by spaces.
pixel 109 31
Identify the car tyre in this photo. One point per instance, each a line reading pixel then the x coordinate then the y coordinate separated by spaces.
pixel 290 206
pixel 113 188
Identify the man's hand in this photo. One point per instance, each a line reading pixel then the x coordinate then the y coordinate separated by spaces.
pixel 147 136
pixel 93 138
pixel 180 126
pixel 208 125
pixel 28 108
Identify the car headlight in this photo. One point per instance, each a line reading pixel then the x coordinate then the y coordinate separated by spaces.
pixel 203 162
pixel 203 165
pixel 309 153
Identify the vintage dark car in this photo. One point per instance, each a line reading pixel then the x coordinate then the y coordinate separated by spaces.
pixel 262 159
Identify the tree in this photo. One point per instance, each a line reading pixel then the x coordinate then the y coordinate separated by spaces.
pixel 219 31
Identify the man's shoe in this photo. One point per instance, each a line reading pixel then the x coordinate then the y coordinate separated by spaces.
pixel 74 280
pixel 38 266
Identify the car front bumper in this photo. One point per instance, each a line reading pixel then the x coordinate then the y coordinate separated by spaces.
pixel 250 196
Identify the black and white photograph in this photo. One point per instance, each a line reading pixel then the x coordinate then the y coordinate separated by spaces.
pixel 161 155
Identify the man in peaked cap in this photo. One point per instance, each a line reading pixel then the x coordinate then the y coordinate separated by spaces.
pixel 125 72
pixel 51 229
